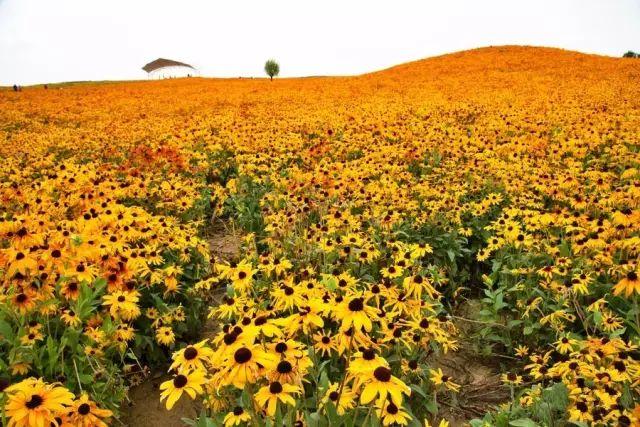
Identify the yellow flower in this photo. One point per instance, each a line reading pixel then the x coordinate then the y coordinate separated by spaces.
pixel 354 312
pixel 236 417
pixel 343 401
pixel 193 357
pixel 511 378
pixel 268 396
pixel 32 402
pixel 629 284
pixel 165 335
pixel 245 364
pixel 391 413
pixel 123 304
pixel 379 382
pixel 70 318
pixel 85 413
pixel 565 345
pixel 191 383
pixel 438 378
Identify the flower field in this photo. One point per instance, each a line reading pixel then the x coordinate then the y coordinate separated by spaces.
pixel 485 202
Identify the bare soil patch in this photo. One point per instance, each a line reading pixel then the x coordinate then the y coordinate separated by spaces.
pixel 144 408
pixel 479 376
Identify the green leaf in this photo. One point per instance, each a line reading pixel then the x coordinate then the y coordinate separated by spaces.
pixel 523 422
pixel 431 406
pixel 452 255
pixel 418 390
pixel 6 331
pixel 334 418
pixel 329 282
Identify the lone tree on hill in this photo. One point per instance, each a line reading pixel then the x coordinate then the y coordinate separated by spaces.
pixel 272 68
pixel 631 54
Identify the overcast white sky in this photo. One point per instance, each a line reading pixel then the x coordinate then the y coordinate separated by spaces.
pixel 64 40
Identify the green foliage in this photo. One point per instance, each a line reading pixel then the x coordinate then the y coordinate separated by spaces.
pixel 549 409
pixel 272 68
pixel 244 205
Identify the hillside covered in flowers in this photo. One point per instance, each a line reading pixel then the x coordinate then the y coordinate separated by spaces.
pixel 380 215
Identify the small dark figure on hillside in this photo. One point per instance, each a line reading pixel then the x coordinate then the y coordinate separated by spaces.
pixel 46 86
pixel 15 88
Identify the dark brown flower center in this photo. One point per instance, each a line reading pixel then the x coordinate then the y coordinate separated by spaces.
pixel 368 354
pixel 275 387
pixel 35 401
pixel 382 374
pixel 180 381
pixel 190 353
pixel 84 409
pixel 284 367
pixel 356 304
pixel 242 355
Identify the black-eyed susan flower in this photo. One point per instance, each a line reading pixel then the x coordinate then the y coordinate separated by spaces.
pixel 391 413
pixel 86 413
pixel 32 402
pixel 193 357
pixel 123 304
pixel 344 399
pixel 268 396
pixel 324 343
pixel 511 378
pixel 354 312
pixel 236 417
pixel 628 285
pixel 165 335
pixel 245 364
pixel 190 383
pixel 381 383
pixel 440 379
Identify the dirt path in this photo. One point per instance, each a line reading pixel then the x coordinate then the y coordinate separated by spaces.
pixel 479 376
pixel 144 408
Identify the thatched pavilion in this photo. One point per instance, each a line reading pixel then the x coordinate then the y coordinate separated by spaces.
pixel 166 68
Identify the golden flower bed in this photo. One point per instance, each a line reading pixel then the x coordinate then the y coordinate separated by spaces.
pixel 373 207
